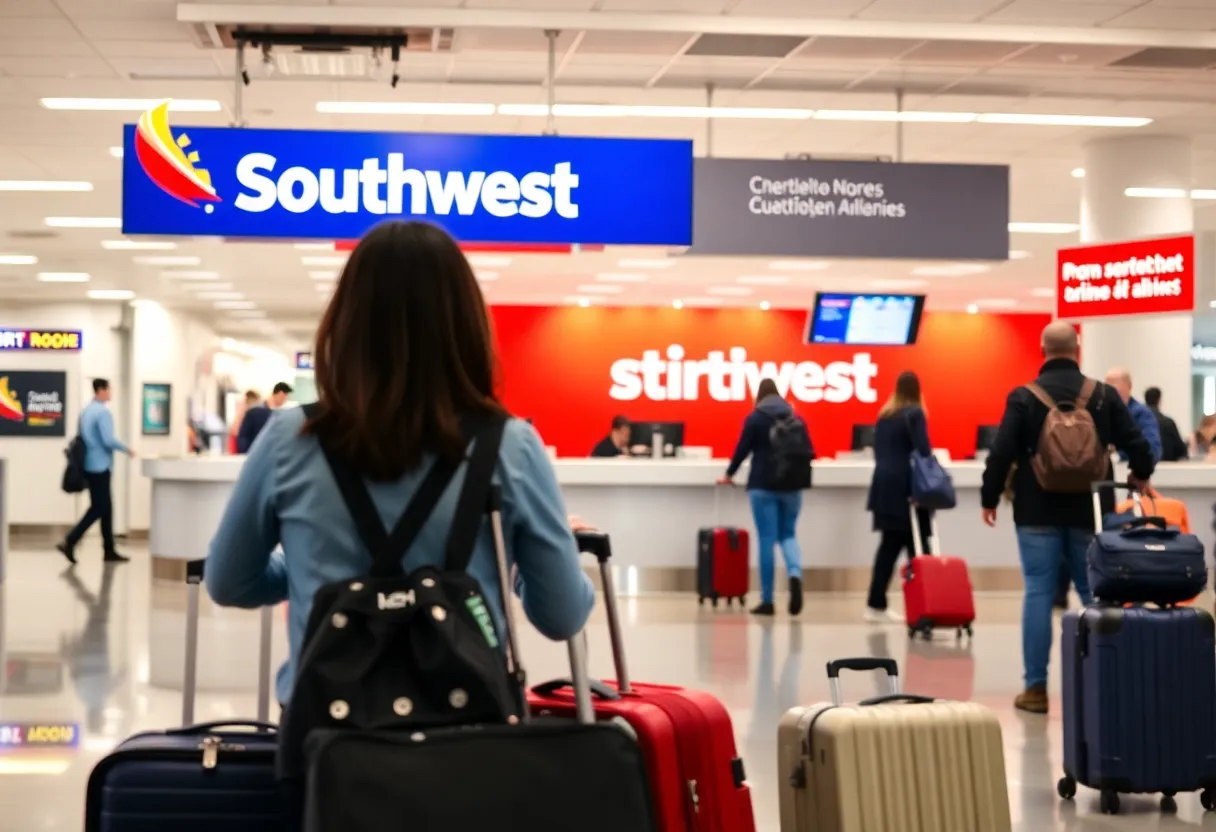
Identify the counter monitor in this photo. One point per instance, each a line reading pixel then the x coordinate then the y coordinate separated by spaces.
pixel 642 434
pixel 864 320
pixel 863 437
pixel 985 435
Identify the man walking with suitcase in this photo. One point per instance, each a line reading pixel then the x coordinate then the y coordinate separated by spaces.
pixel 1054 437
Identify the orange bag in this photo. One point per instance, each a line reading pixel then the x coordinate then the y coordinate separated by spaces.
pixel 1174 512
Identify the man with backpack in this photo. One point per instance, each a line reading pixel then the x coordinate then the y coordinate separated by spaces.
pixel 1053 442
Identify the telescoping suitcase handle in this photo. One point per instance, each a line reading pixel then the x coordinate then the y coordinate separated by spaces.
pixel 918 548
pixel 861 664
pixel 194 579
pixel 1096 490
pixel 598 545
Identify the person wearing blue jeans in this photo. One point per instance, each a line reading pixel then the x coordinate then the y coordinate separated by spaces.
pixel 775 484
pixel 1045 552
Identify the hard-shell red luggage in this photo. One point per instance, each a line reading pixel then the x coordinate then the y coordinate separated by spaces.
pixel 937 588
pixel 722 564
pixel 697 778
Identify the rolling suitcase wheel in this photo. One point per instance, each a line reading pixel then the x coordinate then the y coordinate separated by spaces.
pixel 1168 804
pixel 1066 788
pixel 1109 802
pixel 1208 800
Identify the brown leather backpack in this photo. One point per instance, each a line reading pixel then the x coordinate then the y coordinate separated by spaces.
pixel 1069 456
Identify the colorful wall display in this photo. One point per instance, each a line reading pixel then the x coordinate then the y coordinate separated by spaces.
pixel 157 409
pixel 32 404
pixel 51 340
pixel 241 182
pixel 1133 278
pixel 571 370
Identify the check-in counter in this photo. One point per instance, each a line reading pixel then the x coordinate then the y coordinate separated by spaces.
pixel 653 509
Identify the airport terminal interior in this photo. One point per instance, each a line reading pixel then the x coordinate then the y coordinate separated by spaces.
pixel 663 202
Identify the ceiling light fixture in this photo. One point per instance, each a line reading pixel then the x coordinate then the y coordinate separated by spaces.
pixel 111 294
pixel 44 185
pixel 729 291
pixel 168 261
pixel 895 115
pixel 220 296
pixel 323 261
pixel 83 222
pixel 677 304
pixel 600 289
pixel 653 111
pixel 190 275
pixel 17 259
pixel 486 277
pixel 1059 120
pixel 646 263
pixel 763 279
pixel 1170 193
pixel 138 245
pixel 134 105
pixel 405 108
pixel 622 277
pixel 1203 193
pixel 489 261
pixel 1017 254
pixel 765 305
pixel 323 275
pixel 116 151
pixel 972 309
pixel 235 304
pixel 250 314
pixel 1043 228
pixel 206 287
pixel 1078 173
pixel 63 277
pixel 584 302
pixel 799 265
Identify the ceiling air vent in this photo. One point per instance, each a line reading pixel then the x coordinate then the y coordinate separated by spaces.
pixel 1161 57
pixel 745 46
pixel 36 234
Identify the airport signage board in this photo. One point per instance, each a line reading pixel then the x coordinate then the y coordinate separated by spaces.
pixel 32 403
pixel 240 182
pixel 1131 278
pixel 49 340
pixel 812 208
pixel 304 361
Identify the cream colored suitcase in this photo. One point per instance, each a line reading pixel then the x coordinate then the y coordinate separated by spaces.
pixel 892 764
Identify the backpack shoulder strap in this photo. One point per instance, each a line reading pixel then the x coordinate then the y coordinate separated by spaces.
pixel 1041 394
pixel 1087 392
pixel 474 501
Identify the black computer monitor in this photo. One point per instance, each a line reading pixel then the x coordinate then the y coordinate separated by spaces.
pixel 863 437
pixel 642 433
pixel 985 435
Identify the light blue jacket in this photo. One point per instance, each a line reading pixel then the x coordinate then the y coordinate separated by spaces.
pixel 286 495
pixel 97 431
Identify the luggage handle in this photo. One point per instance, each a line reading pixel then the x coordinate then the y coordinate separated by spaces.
pixel 861 663
pixel 918 549
pixel 598 545
pixel 194 579
pixel 598 689
pixel 215 727
pixel 1096 490
pixel 907 698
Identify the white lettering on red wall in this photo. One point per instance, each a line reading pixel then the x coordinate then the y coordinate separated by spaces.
pixel 728 376
pixel 1126 278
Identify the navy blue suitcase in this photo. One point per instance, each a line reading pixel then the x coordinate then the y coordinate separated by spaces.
pixel 1139 702
pixel 200 778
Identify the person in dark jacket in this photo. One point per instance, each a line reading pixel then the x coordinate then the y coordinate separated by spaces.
pixel 616 442
pixel 257 417
pixel 1052 527
pixel 774 512
pixel 900 430
pixel 1173 446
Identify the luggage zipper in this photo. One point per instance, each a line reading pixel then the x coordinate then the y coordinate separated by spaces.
pixel 211 748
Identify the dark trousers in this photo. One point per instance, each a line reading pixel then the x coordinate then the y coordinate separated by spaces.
pixel 890 544
pixel 1063 582
pixel 101 507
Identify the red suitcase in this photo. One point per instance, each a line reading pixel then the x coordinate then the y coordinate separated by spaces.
pixel 937 588
pixel 722 564
pixel 696 775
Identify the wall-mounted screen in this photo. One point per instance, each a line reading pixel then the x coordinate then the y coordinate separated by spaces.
pixel 864 320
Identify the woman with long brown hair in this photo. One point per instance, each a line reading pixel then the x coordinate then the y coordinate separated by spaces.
pixel 404 360
pixel 901 429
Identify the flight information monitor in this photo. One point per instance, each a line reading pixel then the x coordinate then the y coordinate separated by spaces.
pixel 864 320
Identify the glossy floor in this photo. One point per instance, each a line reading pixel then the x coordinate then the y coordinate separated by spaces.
pixel 103 648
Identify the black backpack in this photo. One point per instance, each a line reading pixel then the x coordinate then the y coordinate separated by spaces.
pixel 399 651
pixel 74 479
pixel 792 452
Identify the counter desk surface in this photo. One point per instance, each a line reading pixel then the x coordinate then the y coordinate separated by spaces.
pixel 653 509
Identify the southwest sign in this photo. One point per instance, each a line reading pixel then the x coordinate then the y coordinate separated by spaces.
pixel 1132 278
pixel 55 340
pixel 238 182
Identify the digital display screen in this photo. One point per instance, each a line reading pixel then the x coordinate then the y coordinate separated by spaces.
pixel 865 320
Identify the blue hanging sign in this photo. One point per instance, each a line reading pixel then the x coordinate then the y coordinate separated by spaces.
pixel 239 182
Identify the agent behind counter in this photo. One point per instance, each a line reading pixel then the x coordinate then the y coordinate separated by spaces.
pixel 616 443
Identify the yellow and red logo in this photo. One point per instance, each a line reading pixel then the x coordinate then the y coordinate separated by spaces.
pixel 168 163
pixel 10 403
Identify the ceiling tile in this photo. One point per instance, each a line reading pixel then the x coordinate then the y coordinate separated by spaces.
pixel 962 52
pixel 1157 17
pixel 844 50
pixel 633 43
pixel 1059 13
pixel 946 11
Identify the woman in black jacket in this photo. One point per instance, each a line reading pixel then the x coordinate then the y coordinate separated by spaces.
pixel 901 429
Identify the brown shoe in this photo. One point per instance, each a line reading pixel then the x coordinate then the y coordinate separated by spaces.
pixel 1033 700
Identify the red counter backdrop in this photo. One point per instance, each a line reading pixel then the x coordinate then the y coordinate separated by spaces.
pixel 558 369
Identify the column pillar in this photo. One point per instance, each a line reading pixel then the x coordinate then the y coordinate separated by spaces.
pixel 1156 349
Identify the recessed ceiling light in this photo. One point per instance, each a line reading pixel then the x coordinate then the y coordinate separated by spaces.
pixel 1157 193
pixel 1078 173
pixel 1017 254
pixel 677 304
pixel 405 108
pixel 765 305
pixel 323 275
pixel 136 105
pixel 84 222
pixel 1043 227
pixel 17 259
pixel 622 277
pixel 235 304
pixel 489 261
pixel 43 185
pixel 972 308
pixel 323 261
pixel 996 303
pixel 63 277
pixel 600 289
pixel 763 279
pixel 211 295
pixel 799 265
pixel 314 246
pixel 583 302
pixel 206 287
pixel 190 275
pixel 1203 193
pixel 111 294
pixel 168 261
pixel 951 269
pixel 1054 120
pixel 138 245
pixel 1043 292
pixel 486 276
pixel 729 291
pixel 646 263
pixel 895 283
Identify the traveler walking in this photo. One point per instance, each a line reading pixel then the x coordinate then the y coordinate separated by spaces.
pixel 404 363
pixel 1054 437
pixel 255 418
pixel 779 444
pixel 1173 446
pixel 900 430
pixel 1121 380
pixel 97 432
